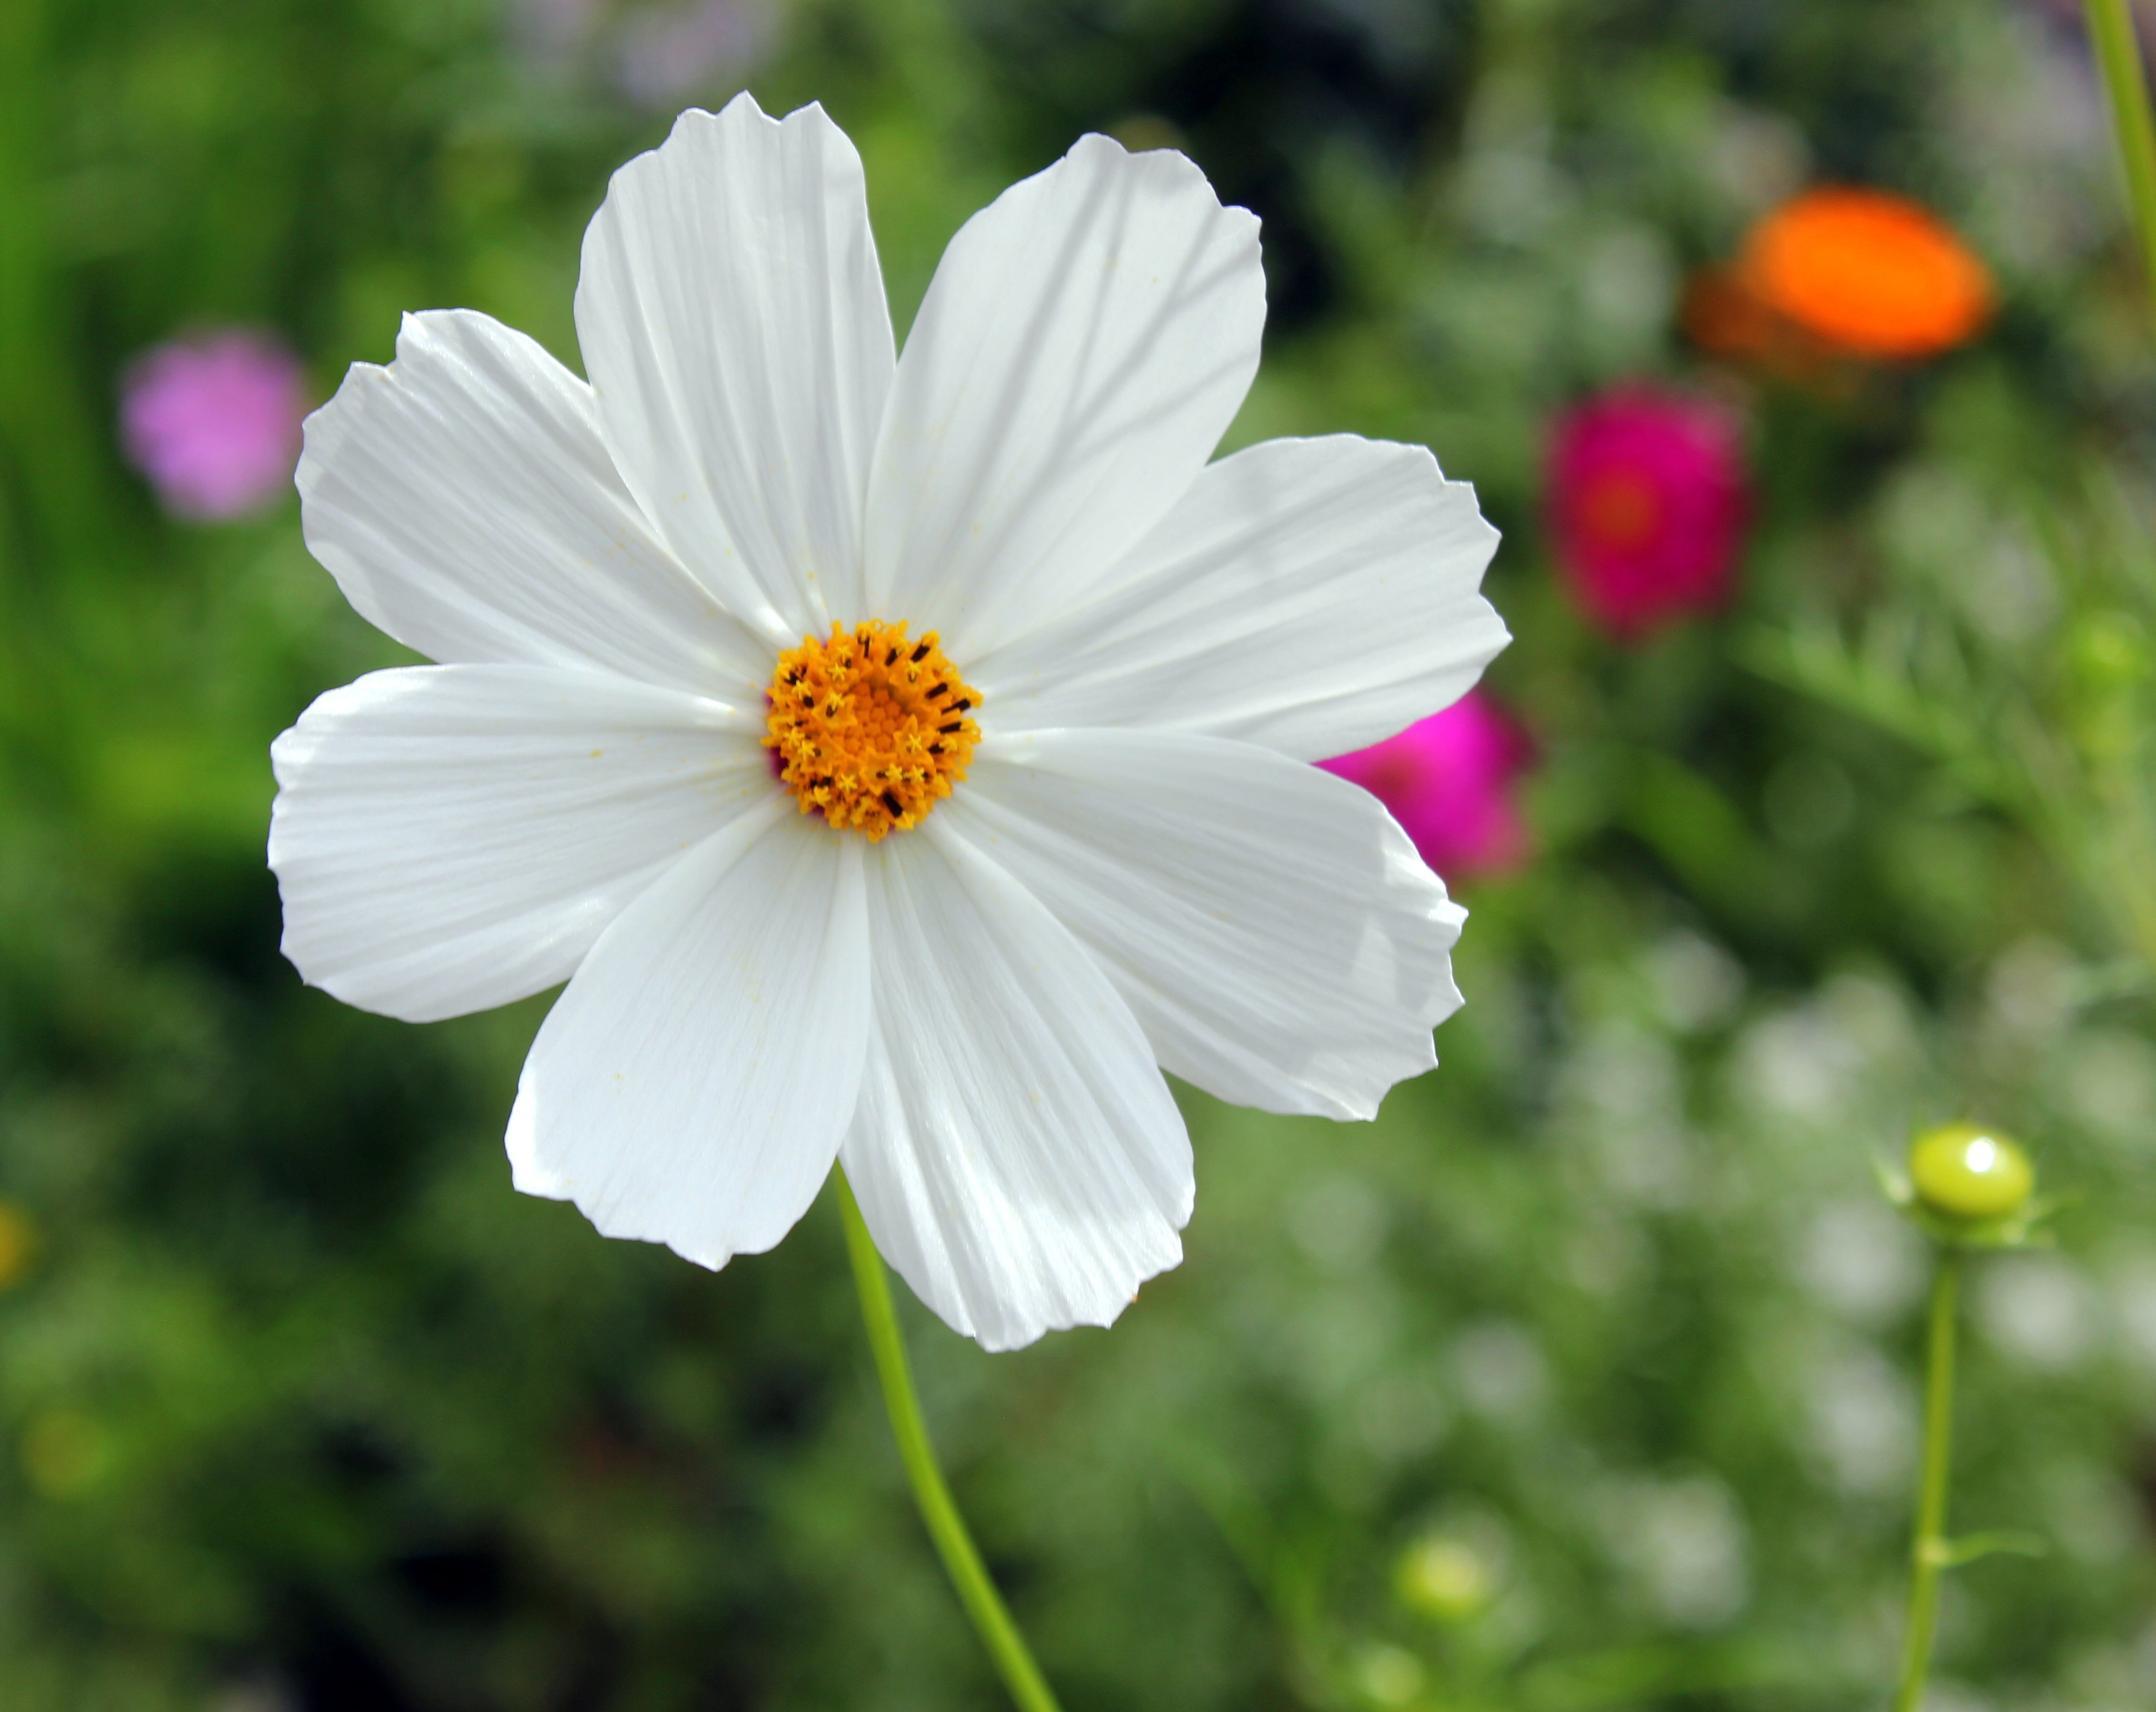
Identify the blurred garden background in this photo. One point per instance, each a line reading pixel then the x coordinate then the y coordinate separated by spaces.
pixel 1812 803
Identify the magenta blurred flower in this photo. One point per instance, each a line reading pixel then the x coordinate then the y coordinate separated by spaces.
pixel 1448 781
pixel 214 422
pixel 1647 505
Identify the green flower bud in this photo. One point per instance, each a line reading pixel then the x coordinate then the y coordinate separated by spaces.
pixel 1966 1172
pixel 1444 1579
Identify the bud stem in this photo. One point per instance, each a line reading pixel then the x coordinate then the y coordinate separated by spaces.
pixel 2119 54
pixel 1929 1551
pixel 961 1562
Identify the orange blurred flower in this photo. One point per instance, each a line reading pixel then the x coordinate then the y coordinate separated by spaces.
pixel 1872 273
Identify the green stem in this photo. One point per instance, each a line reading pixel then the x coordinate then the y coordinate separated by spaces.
pixel 1928 1551
pixel 2111 31
pixel 946 1526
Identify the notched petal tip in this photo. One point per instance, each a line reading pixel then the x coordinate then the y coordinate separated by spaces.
pixel 741 115
pixel 712 1260
pixel 692 1084
pixel 742 110
pixel 1167 162
pixel 1303 972
pixel 1087 339
pixel 1002 1339
pixel 732 321
pixel 1016 1154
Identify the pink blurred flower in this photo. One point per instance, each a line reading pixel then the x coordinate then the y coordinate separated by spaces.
pixel 1647 505
pixel 1448 780
pixel 214 422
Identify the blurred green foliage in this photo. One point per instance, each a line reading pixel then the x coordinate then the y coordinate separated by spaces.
pixel 1583 1378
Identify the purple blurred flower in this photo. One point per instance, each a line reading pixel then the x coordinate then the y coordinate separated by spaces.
pixel 1448 780
pixel 1647 505
pixel 553 29
pixel 214 422
pixel 666 54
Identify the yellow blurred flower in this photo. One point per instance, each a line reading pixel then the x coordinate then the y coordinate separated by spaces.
pixel 16 1239
pixel 1388 1675
pixel 1444 1579
pixel 64 1453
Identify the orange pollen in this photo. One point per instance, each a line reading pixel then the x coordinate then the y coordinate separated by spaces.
pixel 871 730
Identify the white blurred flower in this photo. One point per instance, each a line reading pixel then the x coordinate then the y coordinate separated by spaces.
pixel 673 606
pixel 1339 1221
pixel 2134 1299
pixel 1502 1370
pixel 2030 989
pixel 2040 1310
pixel 1695 983
pixel 1798 1063
pixel 1863 1261
pixel 1863 1421
pixel 1685 1544
pixel 1628 290
pixel 1626 1092
pixel 1758 159
pixel 2091 1511
pixel 1405 1412
pixel 1811 1062
pixel 2109 1082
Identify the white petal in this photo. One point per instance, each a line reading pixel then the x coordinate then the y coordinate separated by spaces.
pixel 1084 343
pixel 691 1085
pixel 451 838
pixel 465 504
pixel 1269 924
pixel 732 320
pixel 1312 596
pixel 1017 1156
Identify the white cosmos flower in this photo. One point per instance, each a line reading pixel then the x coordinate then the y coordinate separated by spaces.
pixel 1134 869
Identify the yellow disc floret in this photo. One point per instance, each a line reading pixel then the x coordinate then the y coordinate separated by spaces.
pixel 870 730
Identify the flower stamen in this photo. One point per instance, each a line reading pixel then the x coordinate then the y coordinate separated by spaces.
pixel 870 730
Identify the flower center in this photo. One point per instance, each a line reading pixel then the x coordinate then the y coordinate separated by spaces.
pixel 1623 511
pixel 868 728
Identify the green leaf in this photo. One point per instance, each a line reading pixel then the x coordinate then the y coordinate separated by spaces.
pixel 2015 1542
